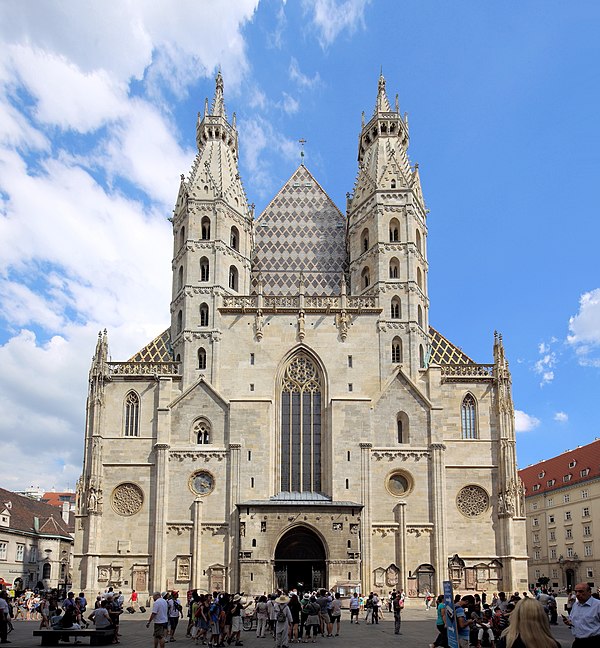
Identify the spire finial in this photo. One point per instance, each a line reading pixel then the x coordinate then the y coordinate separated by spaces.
pixel 302 143
pixel 218 109
pixel 382 104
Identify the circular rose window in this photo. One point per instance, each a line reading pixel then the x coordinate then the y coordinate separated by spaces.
pixel 399 483
pixel 127 499
pixel 472 501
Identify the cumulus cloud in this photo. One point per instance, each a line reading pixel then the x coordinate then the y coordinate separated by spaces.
pixel 546 363
pixel 331 17
pixel 584 329
pixel 561 417
pixel 89 170
pixel 525 422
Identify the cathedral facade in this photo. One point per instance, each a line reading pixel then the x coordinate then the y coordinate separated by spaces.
pixel 300 423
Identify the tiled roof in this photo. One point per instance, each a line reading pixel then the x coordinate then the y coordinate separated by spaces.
pixel 301 231
pixel 24 510
pixel 159 350
pixel 582 464
pixel 444 352
pixel 58 499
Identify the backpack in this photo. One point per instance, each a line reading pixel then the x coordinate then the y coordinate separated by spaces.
pixel 178 606
pixel 281 615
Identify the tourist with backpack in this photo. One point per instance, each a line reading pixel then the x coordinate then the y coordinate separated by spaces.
pixel 283 619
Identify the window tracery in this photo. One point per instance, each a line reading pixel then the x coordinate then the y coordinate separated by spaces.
pixel 132 414
pixel 202 432
pixel 468 412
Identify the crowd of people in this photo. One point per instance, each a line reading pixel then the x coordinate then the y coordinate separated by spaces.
pixel 519 621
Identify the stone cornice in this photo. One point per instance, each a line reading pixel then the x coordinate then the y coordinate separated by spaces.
pixel 390 454
pixel 197 455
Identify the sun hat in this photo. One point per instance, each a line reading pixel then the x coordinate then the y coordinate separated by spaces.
pixel 237 598
pixel 282 599
pixel 306 595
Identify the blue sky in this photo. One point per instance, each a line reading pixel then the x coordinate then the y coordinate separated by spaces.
pixel 98 105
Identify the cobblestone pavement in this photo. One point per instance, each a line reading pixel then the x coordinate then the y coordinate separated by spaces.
pixel 418 631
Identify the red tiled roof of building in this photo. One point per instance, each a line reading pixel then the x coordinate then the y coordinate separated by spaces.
pixel 57 499
pixel 571 467
pixel 29 515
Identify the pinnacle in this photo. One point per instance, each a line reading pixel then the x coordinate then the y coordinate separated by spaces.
pixel 382 104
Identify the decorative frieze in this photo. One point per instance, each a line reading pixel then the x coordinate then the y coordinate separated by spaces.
pixel 402 455
pixel 197 455
pixel 420 529
pixel 384 530
pixel 179 527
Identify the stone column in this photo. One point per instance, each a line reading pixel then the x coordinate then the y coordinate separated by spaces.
pixel 400 514
pixel 216 352
pixel 438 514
pixel 159 558
pixel 234 531
pixel 196 543
pixel 365 518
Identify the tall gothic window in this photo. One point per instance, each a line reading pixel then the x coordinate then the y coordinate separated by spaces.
pixel 233 278
pixel 421 357
pixel 180 278
pixel 418 240
pixel 396 350
pixel 402 427
pixel 394 230
pixel 365 240
pixel 396 310
pixel 182 237
pixel 394 268
pixel 419 278
pixel 204 269
pixel 366 280
pixel 204 314
pixel 179 322
pixel 468 417
pixel 132 414
pixel 419 315
pixel 201 358
pixel 234 238
pixel 205 226
pixel 46 570
pixel 301 426
pixel 202 431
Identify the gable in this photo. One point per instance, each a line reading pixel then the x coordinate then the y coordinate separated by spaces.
pixel 301 233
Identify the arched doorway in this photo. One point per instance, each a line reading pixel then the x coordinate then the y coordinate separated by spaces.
pixel 300 561
pixel 570 575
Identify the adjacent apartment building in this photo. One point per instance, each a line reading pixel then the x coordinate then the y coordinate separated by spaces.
pixel 36 545
pixel 562 501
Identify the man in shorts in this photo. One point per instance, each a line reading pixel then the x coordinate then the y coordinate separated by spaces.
pixel 161 620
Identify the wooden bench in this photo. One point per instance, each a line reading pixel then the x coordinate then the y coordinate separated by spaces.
pixel 97 637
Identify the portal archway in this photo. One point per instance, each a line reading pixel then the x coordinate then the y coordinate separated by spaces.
pixel 300 561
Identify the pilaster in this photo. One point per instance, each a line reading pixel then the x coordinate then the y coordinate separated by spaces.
pixel 234 571
pixel 159 573
pixel 438 513
pixel 365 520
pixel 196 543
pixel 400 514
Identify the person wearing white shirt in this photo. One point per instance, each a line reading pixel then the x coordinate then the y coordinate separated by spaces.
pixel 160 616
pixel 584 619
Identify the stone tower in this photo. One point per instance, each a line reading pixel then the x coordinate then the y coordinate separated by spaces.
pixel 387 233
pixel 212 234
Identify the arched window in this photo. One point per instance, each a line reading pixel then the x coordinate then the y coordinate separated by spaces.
pixel 418 240
pixel 179 321
pixel 202 432
pixel 393 184
pixel 394 268
pixel 204 271
pixel 402 427
pixel 180 278
pixel 132 414
pixel 203 314
pixel 396 350
pixel 364 237
pixel 394 230
pixel 205 227
pixel 421 357
pixel 468 418
pixel 365 278
pixel 182 237
pixel 233 278
pixel 234 238
pixel 419 278
pixel 301 426
pixel 419 315
pixel 201 358
pixel 396 308
pixel 46 571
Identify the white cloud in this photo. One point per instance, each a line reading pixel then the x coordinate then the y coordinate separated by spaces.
pixel 584 329
pixel 525 422
pixel 331 17
pixel 561 417
pixel 545 365
pixel 289 104
pixel 79 253
pixel 301 79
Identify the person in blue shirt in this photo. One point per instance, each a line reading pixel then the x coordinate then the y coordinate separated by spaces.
pixel 463 625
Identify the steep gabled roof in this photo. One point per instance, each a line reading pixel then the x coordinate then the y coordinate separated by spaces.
pixel 30 516
pixel 159 350
pixel 301 232
pixel 571 467
pixel 443 352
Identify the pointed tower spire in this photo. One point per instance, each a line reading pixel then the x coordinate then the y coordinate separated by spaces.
pixel 382 104
pixel 218 109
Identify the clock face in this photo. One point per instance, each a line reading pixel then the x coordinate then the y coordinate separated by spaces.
pixel 202 482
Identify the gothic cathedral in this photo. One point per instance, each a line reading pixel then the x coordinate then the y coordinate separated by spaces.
pixel 300 423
